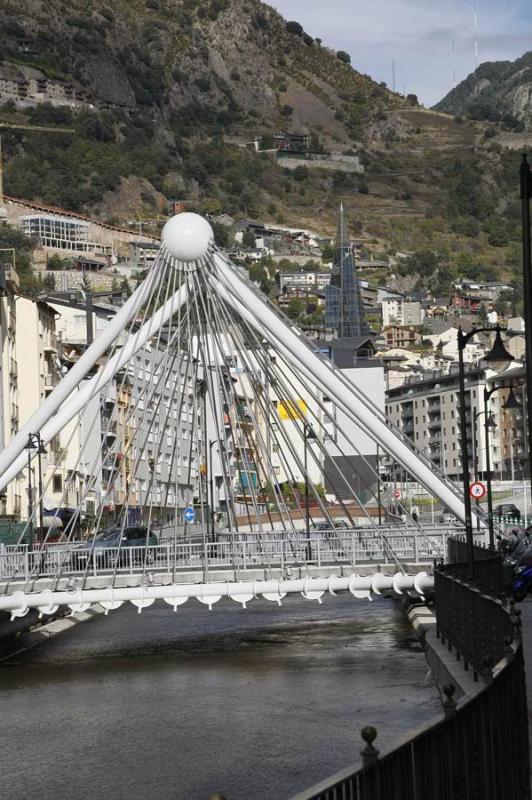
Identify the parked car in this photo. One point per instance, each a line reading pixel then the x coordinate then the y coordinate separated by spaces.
pixel 320 526
pixel 507 510
pixel 95 550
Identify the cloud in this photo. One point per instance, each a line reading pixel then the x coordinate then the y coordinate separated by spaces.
pixel 416 35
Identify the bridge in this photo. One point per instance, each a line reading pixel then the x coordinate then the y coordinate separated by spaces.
pixel 215 396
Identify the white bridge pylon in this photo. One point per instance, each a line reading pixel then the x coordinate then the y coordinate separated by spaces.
pixel 209 325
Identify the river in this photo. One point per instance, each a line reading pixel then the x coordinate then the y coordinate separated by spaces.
pixel 256 704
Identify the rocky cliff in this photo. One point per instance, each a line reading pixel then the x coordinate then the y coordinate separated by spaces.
pixel 499 91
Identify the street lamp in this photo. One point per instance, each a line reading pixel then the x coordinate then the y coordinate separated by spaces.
pixel 498 358
pixel 511 403
pixel 212 442
pixel 489 423
pixel 526 194
pixel 308 433
pixel 35 443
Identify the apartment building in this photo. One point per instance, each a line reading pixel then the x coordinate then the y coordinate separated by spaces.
pixel 65 234
pixel 426 410
pixel 398 311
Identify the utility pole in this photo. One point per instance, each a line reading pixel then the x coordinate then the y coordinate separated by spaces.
pixel 475 26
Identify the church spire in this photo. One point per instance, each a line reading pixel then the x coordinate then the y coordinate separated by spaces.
pixel 344 311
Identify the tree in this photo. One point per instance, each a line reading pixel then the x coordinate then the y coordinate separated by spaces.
pixel 48 283
pixel 55 262
pixel 248 240
pixel 343 56
pixel 222 236
pixel 125 288
pixel 294 27
pixel 423 262
pixel 327 252
pixel 266 141
pixel 412 98
pixel 287 111
pixel 295 308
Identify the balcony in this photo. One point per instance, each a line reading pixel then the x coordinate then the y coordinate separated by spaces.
pixel 435 424
pixel 50 346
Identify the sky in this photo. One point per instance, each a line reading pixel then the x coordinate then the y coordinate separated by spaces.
pixel 417 35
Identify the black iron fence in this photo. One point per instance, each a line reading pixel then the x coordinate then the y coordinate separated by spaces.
pixel 478 748
pixel 488 572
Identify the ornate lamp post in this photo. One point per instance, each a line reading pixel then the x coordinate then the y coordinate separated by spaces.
pixel 498 358
pixel 526 194
pixel 210 501
pixel 511 403
pixel 489 423
pixel 35 443
pixel 308 433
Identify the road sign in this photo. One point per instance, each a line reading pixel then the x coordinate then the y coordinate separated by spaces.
pixel 397 494
pixel 190 514
pixel 477 490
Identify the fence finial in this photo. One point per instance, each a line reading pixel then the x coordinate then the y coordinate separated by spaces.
pixel 370 754
pixel 449 704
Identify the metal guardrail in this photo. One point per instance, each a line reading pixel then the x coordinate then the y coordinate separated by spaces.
pixel 249 551
pixel 476 625
pixel 477 748
pixel 488 572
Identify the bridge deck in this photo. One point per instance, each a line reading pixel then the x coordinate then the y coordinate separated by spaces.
pixel 238 558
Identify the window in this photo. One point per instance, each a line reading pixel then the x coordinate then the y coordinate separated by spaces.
pixel 57 483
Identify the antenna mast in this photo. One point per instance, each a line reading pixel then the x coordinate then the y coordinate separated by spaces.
pixel 475 26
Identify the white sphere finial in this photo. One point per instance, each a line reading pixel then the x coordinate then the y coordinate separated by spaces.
pixel 187 236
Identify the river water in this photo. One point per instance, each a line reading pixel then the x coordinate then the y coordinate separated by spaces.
pixel 256 704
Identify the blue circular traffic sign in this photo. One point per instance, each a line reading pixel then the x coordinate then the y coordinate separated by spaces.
pixel 190 514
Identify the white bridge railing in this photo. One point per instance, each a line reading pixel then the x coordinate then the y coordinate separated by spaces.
pixel 241 552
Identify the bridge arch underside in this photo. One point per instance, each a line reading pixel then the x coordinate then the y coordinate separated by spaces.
pixel 196 435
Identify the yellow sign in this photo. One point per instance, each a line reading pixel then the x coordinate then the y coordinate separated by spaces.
pixel 289 411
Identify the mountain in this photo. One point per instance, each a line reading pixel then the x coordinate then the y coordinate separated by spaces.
pixel 180 99
pixel 499 91
pixel 151 79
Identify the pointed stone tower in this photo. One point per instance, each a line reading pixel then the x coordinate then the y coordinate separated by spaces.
pixel 344 311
